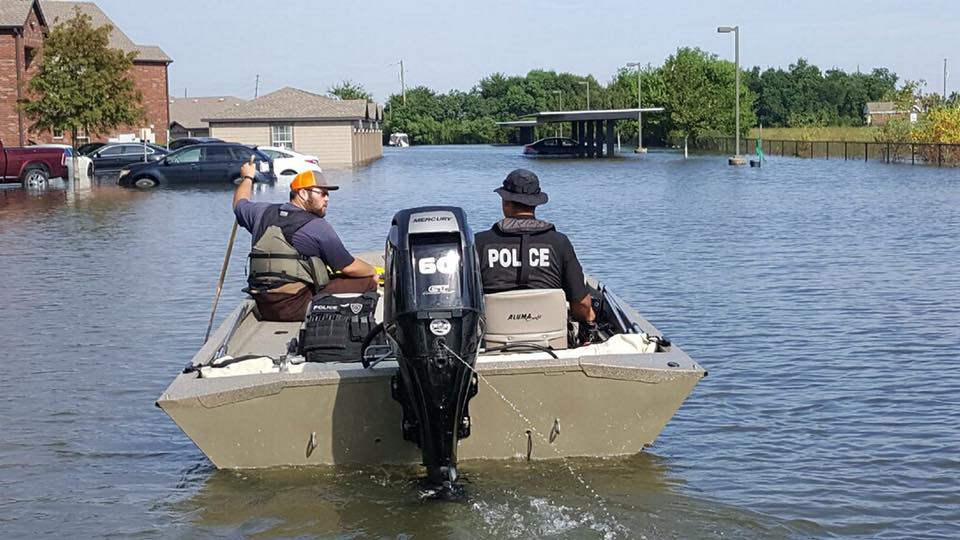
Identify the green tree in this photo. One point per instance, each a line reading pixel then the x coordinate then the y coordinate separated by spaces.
pixel 349 90
pixel 622 94
pixel 81 82
pixel 700 95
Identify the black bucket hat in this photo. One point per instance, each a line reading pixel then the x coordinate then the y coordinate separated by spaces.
pixel 522 186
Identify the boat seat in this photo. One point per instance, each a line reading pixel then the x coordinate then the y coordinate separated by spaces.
pixel 536 316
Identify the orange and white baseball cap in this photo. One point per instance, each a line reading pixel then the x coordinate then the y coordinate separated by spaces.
pixel 309 179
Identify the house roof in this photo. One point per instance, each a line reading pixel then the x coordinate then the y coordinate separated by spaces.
pixel 874 107
pixel 57 12
pixel 13 13
pixel 295 104
pixel 889 107
pixel 189 112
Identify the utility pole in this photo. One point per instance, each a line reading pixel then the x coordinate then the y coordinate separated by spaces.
pixel 559 94
pixel 403 84
pixel 944 79
pixel 640 149
pixel 256 89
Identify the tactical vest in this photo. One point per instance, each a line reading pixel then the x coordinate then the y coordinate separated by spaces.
pixel 509 260
pixel 273 261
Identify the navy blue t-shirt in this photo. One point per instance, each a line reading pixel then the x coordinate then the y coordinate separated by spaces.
pixel 315 239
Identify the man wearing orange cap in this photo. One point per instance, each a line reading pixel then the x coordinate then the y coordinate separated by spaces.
pixel 294 248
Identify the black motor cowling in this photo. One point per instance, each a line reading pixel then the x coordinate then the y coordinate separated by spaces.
pixel 433 305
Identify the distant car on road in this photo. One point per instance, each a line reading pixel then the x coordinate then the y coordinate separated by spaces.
pixel 115 156
pixel 187 141
pixel 32 166
pixel 201 163
pixel 552 146
pixel 286 162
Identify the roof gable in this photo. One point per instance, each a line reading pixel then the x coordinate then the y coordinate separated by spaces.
pixel 14 13
pixel 58 12
pixel 190 112
pixel 294 104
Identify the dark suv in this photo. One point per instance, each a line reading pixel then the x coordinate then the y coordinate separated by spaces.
pixel 188 141
pixel 211 162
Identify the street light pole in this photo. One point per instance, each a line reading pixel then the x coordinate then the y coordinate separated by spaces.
pixel 560 94
pixel 587 84
pixel 737 159
pixel 640 149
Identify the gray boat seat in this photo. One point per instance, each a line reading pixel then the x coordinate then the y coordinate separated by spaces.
pixel 536 316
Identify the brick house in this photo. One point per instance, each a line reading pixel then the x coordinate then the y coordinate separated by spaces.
pixel 24 25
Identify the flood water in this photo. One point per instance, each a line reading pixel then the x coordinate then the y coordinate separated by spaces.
pixel 822 296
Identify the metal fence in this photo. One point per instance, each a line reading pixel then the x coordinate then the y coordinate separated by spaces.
pixel 939 154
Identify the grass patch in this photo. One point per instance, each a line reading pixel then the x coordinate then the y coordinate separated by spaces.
pixel 830 133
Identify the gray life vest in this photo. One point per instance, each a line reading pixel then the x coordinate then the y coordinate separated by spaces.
pixel 273 261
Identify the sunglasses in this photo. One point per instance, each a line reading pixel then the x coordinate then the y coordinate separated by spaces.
pixel 318 191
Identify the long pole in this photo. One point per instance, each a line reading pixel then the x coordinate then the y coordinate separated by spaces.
pixel 561 109
pixel 736 40
pixel 639 112
pixel 639 107
pixel 403 84
pixel 256 88
pixel 223 275
pixel 559 94
pixel 944 80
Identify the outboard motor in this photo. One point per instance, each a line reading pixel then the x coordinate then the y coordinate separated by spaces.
pixel 432 313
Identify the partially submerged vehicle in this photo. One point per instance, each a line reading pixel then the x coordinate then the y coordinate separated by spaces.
pixel 460 375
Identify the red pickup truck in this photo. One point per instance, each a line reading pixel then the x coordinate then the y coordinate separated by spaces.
pixel 31 166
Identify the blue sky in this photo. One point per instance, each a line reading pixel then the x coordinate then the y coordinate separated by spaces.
pixel 220 46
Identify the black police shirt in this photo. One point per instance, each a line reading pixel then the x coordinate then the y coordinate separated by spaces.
pixel 549 257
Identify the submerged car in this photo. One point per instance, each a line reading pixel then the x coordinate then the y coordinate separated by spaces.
pixel 214 162
pixel 286 162
pixel 552 146
pixel 190 141
pixel 84 165
pixel 87 148
pixel 115 156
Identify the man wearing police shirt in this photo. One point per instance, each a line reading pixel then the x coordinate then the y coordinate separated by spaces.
pixel 523 252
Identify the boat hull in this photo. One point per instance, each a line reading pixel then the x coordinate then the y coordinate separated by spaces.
pixel 537 408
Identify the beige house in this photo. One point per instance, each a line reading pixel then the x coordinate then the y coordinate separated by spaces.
pixel 340 133
pixel 878 113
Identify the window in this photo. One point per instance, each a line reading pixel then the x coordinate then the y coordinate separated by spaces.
pixel 111 151
pixel 190 155
pixel 242 153
pixel 216 153
pixel 130 149
pixel 550 142
pixel 82 136
pixel 567 143
pixel 282 136
pixel 57 133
